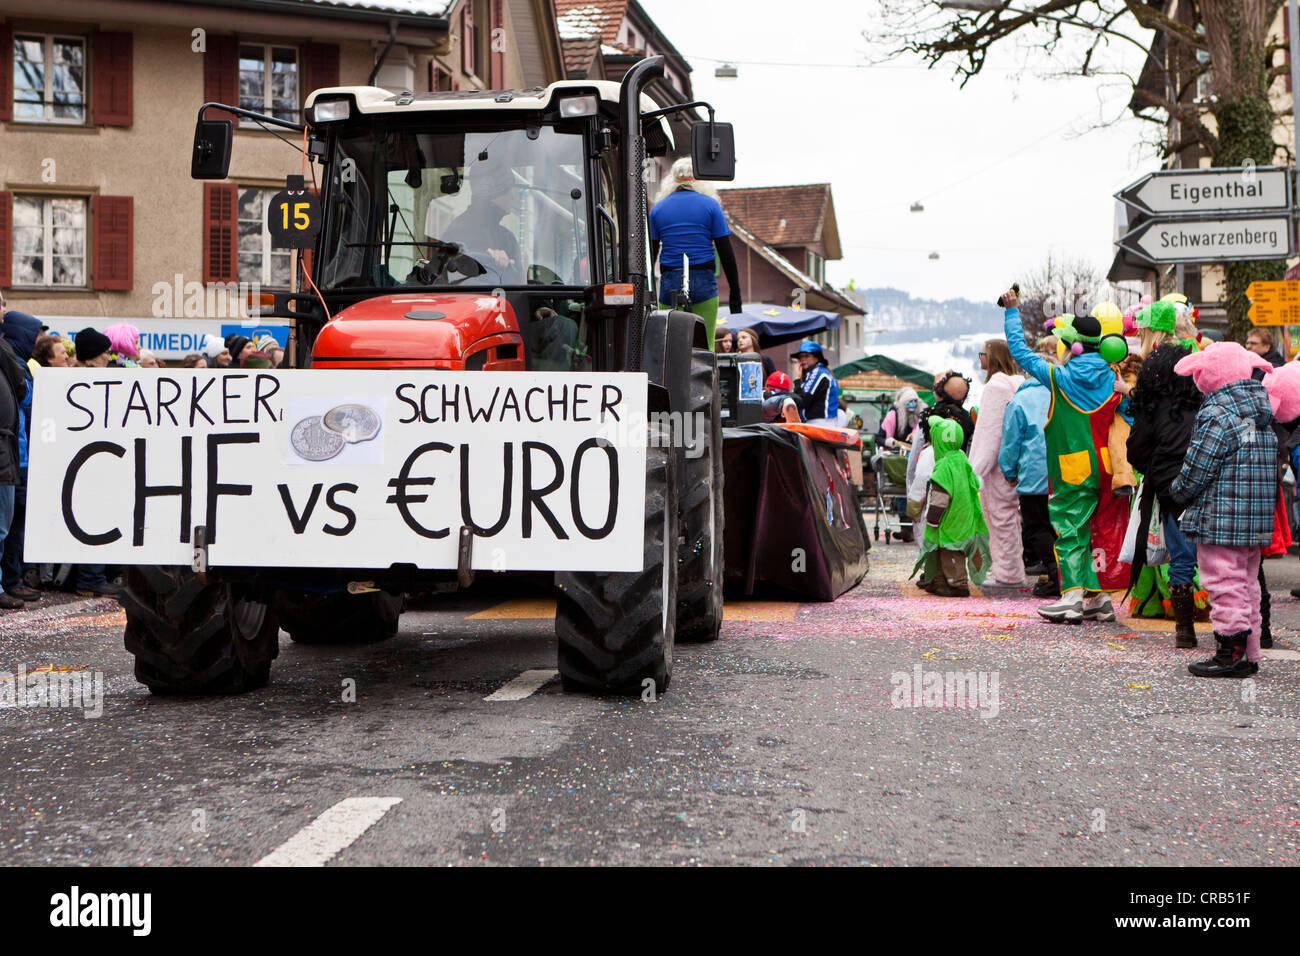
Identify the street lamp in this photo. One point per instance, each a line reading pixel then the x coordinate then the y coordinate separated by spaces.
pixel 934 255
pixel 917 207
pixel 726 71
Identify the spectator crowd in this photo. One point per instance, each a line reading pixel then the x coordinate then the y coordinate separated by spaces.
pixel 1122 451
pixel 26 349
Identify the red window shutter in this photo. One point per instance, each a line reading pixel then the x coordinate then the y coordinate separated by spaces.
pixel 221 76
pixel 110 62
pixel 497 55
pixel 219 233
pixel 320 67
pixel 6 77
pixel 113 234
pixel 6 244
pixel 467 37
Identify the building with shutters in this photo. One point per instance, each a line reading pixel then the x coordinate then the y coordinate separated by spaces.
pixel 99 218
pixel 783 237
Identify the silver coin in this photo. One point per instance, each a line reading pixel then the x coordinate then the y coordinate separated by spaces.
pixel 354 422
pixel 313 441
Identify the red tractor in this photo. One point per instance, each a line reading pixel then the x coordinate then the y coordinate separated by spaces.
pixel 433 209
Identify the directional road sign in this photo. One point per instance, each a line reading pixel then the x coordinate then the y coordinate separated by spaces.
pixel 1235 189
pixel 1274 303
pixel 1211 240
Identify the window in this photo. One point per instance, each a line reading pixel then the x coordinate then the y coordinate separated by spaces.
pixel 268 80
pixel 49 236
pixel 49 79
pixel 258 262
pixel 815 266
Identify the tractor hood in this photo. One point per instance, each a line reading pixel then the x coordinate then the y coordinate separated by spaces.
pixel 420 330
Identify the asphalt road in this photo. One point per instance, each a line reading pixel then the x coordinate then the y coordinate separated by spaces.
pixel 795 739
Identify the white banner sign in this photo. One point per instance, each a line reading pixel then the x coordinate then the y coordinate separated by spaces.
pixel 346 469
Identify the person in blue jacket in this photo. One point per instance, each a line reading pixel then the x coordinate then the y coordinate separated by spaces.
pixel 818 390
pixel 1023 462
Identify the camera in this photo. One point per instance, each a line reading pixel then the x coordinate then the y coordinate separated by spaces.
pixel 1015 287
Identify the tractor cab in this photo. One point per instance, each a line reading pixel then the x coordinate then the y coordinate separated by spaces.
pixel 478 229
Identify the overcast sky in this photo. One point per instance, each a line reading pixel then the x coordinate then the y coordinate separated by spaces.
pixel 1007 168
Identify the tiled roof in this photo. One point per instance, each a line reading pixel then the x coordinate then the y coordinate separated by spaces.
pixel 431 8
pixel 584 25
pixel 782 215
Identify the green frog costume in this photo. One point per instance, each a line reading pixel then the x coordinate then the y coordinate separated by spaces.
pixel 962 526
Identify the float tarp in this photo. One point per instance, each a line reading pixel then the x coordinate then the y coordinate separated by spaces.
pixel 792 516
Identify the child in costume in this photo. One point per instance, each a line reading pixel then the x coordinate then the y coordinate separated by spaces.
pixel 956 537
pixel 1228 483
pixel 1082 404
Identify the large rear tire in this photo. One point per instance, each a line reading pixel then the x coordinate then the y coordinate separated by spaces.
pixel 700 568
pixel 338 617
pixel 615 630
pixel 197 636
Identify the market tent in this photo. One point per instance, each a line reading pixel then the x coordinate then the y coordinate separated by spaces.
pixel 878 371
pixel 777 324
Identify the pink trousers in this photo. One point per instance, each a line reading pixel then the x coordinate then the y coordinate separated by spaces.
pixel 1001 507
pixel 1231 576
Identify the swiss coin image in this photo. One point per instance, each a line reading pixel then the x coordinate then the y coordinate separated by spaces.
pixel 356 423
pixel 314 442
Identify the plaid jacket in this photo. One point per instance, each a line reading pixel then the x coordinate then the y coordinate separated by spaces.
pixel 1229 476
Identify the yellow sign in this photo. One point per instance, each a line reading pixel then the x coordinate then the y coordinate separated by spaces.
pixel 1274 303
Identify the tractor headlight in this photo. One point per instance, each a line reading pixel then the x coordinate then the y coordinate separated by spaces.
pixel 572 107
pixel 330 111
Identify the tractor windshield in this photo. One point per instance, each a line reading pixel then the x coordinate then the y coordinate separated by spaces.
pixel 463 209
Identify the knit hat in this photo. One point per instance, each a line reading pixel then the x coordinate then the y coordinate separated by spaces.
pixel 256 360
pixel 779 381
pixel 212 346
pixel 91 343
pixel 236 345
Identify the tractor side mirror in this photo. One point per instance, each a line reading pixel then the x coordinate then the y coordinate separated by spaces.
pixel 212 141
pixel 713 150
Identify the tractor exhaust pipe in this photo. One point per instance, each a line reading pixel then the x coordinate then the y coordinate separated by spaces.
pixel 633 203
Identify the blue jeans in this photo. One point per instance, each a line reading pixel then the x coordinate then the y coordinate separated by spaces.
pixel 704 285
pixel 1182 553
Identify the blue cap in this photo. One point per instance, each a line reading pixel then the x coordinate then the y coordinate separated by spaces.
pixel 808 345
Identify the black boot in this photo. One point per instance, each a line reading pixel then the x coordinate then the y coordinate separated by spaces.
pixel 1228 661
pixel 1184 607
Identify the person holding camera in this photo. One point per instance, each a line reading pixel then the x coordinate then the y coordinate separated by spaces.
pixel 1083 401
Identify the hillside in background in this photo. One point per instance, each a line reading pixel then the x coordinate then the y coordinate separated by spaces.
pixel 930 334
pixel 910 319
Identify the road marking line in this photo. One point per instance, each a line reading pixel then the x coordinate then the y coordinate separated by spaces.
pixel 759 610
pixel 330 833
pixel 523 686
pixel 516 610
